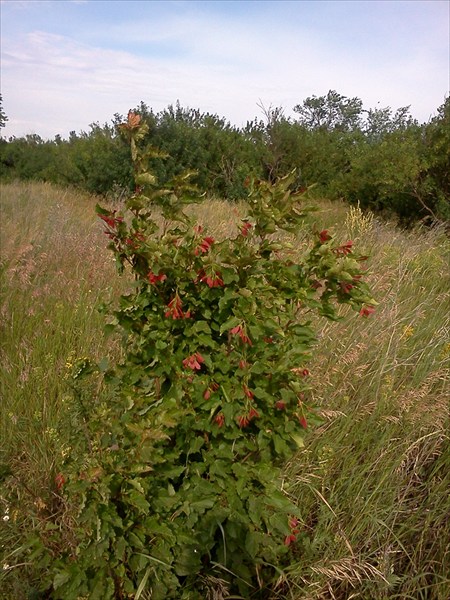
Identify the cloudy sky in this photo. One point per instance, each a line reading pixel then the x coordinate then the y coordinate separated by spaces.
pixel 66 64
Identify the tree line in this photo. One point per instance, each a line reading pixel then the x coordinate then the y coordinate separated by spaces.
pixel 382 158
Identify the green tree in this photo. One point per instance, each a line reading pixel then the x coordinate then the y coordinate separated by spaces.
pixel 380 121
pixel 434 191
pixel 3 117
pixel 330 112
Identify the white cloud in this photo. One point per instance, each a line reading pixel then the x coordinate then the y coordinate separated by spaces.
pixel 54 83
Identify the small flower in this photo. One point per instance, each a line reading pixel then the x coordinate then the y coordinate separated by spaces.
pixel 243 364
pixel 304 373
pixel 194 362
pixel 280 405
pixel 366 311
pixel 207 394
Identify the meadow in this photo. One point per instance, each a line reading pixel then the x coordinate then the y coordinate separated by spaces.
pixel 372 480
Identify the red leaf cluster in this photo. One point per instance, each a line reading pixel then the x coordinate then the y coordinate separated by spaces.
pixel 194 362
pixel 324 236
pixel 204 246
pixel 366 311
pixel 345 249
pixel 60 480
pixel 238 330
pixel 246 228
pixel 175 309
pixel 154 279
pixel 211 281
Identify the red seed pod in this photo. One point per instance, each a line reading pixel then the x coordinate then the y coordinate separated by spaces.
pixel 245 229
pixel 60 480
pixel 289 539
pixel 247 392
pixel 220 419
pixel 243 421
pixel 366 311
pixel 303 422
pixel 194 362
pixel 324 236
pixel 252 414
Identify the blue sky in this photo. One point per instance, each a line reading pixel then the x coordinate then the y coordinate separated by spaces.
pixel 66 64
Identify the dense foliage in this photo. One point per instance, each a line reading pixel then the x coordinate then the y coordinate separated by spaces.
pixel 384 160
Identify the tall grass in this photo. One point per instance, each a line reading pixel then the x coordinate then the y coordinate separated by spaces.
pixel 372 481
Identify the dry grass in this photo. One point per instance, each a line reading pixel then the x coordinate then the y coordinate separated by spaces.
pixel 372 481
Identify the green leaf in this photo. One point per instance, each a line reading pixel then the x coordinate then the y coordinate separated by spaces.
pixel 120 548
pixel 103 365
pixel 199 327
pixel 60 579
pixel 229 324
pixel 143 583
pixel 201 505
pixel 196 444
pixel 188 561
pixel 137 500
pixel 145 179
pixel 298 439
pixel 137 485
pixel 252 543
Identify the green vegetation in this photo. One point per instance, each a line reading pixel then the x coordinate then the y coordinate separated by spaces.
pixel 382 159
pixel 371 482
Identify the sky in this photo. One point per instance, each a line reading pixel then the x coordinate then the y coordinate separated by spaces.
pixel 67 64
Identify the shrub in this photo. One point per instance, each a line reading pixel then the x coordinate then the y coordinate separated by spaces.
pixel 178 479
